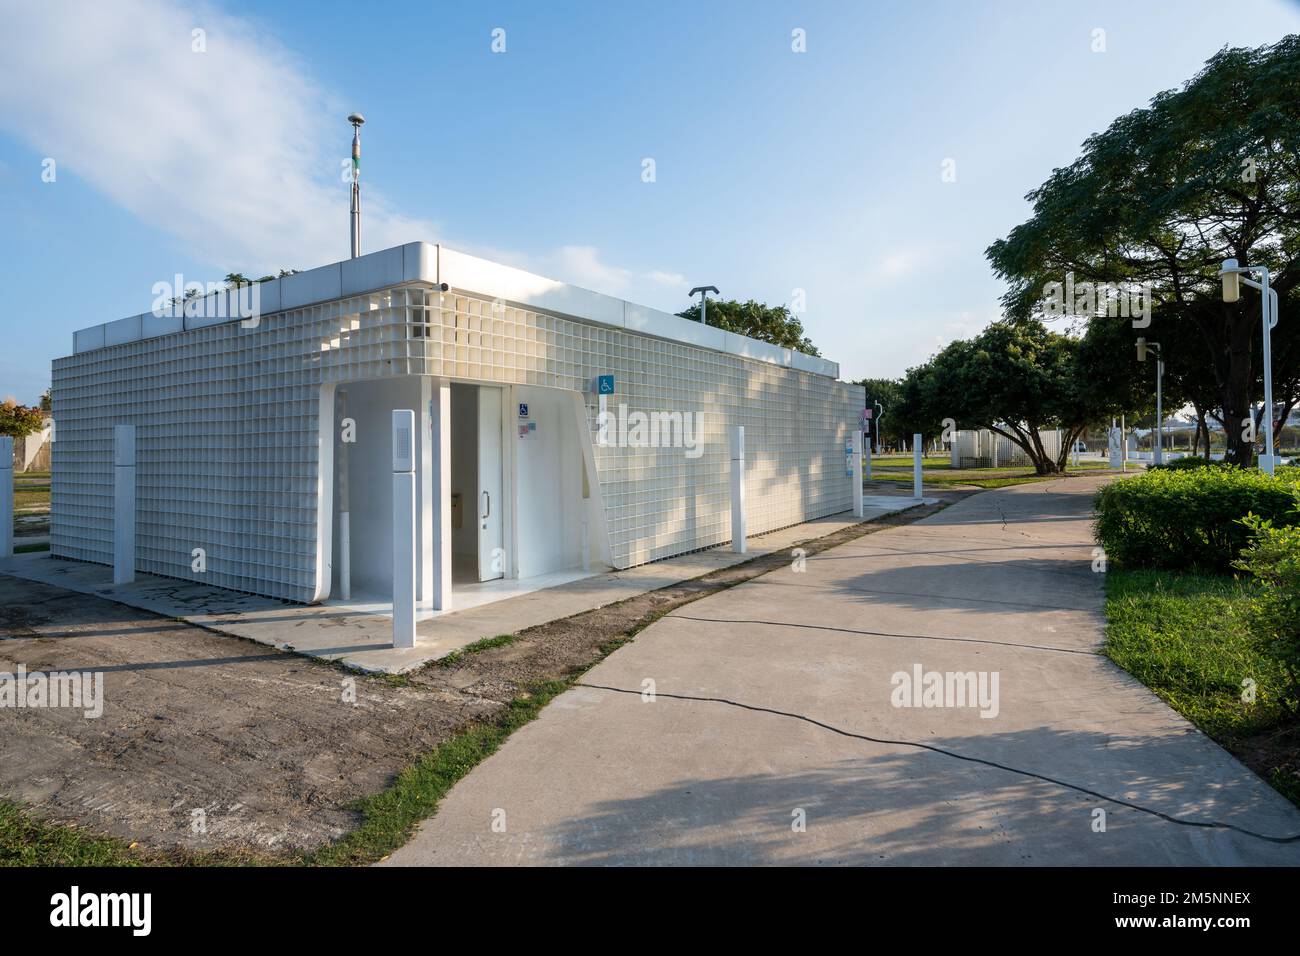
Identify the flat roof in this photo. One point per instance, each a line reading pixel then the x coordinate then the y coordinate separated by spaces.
pixel 435 264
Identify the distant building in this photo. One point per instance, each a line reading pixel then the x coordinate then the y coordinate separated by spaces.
pixel 983 448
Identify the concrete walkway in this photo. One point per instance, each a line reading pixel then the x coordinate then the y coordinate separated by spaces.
pixel 761 689
pixel 362 639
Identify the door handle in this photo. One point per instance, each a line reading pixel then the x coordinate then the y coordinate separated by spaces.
pixel 487 505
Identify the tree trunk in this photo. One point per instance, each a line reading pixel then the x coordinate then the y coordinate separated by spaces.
pixel 1236 389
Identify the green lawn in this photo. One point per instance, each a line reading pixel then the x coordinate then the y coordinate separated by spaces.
pixel 31 492
pixel 938 472
pixel 1185 636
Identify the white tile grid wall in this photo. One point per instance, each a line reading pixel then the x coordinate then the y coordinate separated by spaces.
pixel 227 430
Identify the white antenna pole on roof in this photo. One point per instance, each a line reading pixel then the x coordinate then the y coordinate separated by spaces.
pixel 356 119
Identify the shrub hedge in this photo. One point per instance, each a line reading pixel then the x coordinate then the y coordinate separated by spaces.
pixel 1191 463
pixel 1273 557
pixel 1190 518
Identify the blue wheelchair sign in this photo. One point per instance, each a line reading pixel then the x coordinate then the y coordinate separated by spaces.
pixel 605 384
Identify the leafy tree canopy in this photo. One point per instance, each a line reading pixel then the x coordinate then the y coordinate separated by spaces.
pixel 19 421
pixel 767 323
pixel 1019 379
pixel 1207 172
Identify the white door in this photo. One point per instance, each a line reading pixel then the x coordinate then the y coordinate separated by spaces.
pixel 491 542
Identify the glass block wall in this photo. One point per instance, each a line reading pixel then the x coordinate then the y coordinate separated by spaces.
pixel 227 430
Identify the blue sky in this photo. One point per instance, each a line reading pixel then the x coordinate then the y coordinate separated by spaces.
pixel 775 171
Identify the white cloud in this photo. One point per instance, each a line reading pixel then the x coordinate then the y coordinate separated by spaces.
pixel 236 150
pixel 582 266
pixel 674 279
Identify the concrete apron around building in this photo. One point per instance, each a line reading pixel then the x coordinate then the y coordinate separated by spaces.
pixel 361 638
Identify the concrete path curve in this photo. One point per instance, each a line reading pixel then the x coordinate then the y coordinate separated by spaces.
pixel 752 750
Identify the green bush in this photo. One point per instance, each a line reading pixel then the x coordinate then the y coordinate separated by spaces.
pixel 1189 519
pixel 1273 557
pixel 1187 464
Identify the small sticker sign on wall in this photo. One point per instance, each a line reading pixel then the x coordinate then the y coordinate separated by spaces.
pixel 523 409
pixel 528 430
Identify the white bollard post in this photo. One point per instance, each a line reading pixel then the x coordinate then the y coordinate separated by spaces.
pixel 441 495
pixel 345 506
pixel 738 544
pixel 917 443
pixel 123 504
pixel 404 451
pixel 856 472
pixel 426 548
pixel 6 497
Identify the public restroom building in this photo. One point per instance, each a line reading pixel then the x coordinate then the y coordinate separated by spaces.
pixel 256 436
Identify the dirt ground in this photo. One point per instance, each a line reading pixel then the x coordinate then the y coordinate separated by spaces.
pixel 262 741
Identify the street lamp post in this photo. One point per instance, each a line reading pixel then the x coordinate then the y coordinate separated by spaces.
pixel 1142 346
pixel 704 291
pixel 880 413
pixel 1233 275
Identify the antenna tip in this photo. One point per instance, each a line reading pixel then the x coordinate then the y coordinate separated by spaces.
pixel 356 119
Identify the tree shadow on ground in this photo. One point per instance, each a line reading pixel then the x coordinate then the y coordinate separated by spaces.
pixel 912 806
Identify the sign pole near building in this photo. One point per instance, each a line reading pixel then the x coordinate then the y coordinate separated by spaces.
pixel 856 472
pixel 123 504
pixel 6 497
pixel 866 440
pixel 737 437
pixel 403 527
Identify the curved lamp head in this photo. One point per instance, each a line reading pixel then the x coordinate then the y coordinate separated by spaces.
pixel 1231 276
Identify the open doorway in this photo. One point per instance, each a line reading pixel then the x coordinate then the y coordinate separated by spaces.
pixel 522 500
pixel 478 500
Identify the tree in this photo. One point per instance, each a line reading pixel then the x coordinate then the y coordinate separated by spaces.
pixel 1205 173
pixel 19 421
pixel 1018 379
pixel 767 323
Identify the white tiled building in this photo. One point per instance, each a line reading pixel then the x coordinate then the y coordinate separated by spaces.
pixel 240 429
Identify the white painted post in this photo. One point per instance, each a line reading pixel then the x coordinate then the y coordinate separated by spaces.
pixel 1123 444
pixel 6 497
pixel 345 507
pixel 424 523
pixel 856 472
pixel 404 452
pixel 917 445
pixel 738 544
pixel 442 495
pixel 123 504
